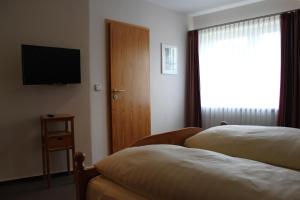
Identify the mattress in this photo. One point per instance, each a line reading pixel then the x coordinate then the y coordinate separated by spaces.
pixel 100 188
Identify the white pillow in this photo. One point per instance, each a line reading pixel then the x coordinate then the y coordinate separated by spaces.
pixel 273 145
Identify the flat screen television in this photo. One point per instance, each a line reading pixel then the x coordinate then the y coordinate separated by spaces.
pixel 50 65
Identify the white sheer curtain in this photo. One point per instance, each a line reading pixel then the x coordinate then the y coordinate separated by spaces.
pixel 240 72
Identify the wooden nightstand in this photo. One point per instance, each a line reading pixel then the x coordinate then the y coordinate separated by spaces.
pixel 57 140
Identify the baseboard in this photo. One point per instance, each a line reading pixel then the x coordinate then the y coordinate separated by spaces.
pixel 33 178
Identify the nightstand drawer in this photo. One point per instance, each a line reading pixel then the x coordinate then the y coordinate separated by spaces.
pixel 59 142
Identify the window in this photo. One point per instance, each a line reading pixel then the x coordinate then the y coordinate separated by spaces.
pixel 240 72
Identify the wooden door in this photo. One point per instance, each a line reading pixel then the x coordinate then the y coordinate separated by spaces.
pixel 129 83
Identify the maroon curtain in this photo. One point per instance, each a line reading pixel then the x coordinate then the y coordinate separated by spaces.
pixel 289 106
pixel 193 107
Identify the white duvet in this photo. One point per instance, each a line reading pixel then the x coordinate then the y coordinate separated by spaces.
pixel 170 172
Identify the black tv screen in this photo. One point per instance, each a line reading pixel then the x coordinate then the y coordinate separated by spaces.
pixel 50 65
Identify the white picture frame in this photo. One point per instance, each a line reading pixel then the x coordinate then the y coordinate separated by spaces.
pixel 168 59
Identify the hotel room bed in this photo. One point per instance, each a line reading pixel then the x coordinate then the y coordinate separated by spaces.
pixel 224 162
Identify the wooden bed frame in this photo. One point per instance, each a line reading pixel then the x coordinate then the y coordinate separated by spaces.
pixel 83 175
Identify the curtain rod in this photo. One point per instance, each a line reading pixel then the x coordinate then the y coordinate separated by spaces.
pixel 248 19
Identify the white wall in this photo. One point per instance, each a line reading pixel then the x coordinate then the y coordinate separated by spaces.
pixel 61 23
pixel 245 12
pixel 77 24
pixel 167 92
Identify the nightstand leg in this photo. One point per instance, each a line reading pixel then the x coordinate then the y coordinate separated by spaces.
pixel 68 160
pixel 73 146
pixel 48 168
pixel 73 162
pixel 44 161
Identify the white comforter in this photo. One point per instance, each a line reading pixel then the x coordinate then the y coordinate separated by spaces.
pixel 170 172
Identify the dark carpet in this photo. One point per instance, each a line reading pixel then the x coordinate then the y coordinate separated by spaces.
pixel 62 188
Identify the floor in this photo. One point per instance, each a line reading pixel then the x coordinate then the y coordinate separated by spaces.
pixel 62 188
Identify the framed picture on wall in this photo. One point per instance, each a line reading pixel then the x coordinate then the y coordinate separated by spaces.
pixel 168 59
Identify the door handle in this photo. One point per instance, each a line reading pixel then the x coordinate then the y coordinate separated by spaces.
pixel 116 90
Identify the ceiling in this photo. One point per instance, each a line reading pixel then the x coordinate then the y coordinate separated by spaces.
pixel 198 7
